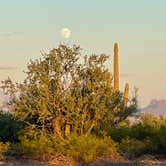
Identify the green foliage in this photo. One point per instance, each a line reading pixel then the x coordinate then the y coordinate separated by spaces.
pixel 146 137
pixel 65 87
pixel 34 147
pixel 87 147
pixel 4 148
pixel 9 127
pixel 134 147
pixel 84 148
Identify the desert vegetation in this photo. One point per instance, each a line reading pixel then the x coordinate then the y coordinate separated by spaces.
pixel 67 105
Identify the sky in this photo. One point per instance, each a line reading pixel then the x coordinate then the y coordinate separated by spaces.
pixel 139 27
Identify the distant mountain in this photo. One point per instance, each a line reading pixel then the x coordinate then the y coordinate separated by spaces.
pixel 156 107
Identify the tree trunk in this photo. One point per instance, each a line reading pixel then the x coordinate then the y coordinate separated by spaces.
pixel 90 128
pixel 67 130
pixel 57 129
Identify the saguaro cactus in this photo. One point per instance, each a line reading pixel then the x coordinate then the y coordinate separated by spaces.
pixel 126 94
pixel 116 68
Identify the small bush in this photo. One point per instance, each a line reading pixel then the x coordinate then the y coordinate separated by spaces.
pixel 133 147
pixel 9 127
pixel 81 148
pixel 39 148
pixel 4 148
pixel 146 137
pixel 87 148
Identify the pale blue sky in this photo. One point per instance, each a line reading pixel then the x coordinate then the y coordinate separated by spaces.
pixel 29 26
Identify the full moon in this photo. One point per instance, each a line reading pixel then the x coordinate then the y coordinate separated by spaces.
pixel 66 33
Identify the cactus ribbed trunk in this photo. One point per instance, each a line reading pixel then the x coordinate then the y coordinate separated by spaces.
pixel 126 94
pixel 116 68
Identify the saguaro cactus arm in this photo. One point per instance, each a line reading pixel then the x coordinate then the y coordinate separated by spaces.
pixel 126 93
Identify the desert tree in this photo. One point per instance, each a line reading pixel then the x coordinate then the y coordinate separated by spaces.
pixel 65 88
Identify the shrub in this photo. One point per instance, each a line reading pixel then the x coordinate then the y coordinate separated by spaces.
pixel 117 134
pixel 40 148
pixel 146 137
pixel 4 148
pixel 84 148
pixel 87 147
pixel 9 127
pixel 134 148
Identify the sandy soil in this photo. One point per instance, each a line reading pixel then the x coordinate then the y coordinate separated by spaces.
pixel 63 161
pixel 28 163
pixel 22 163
